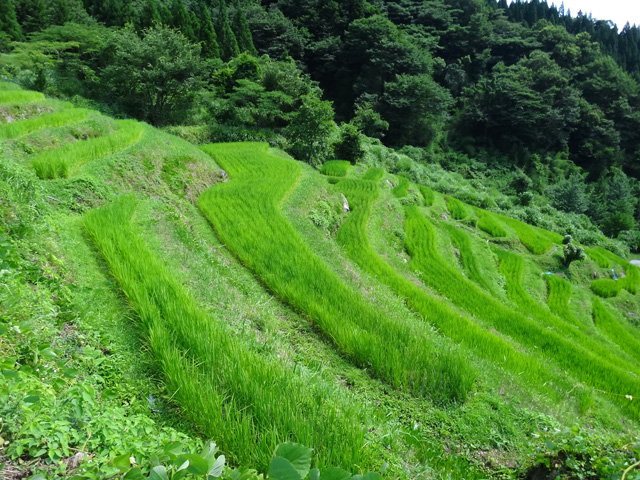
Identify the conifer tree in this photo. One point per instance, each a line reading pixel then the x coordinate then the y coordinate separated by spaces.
pixel 242 32
pixel 59 12
pixel 149 15
pixel 207 33
pixel 31 15
pixel 181 20
pixel 8 21
pixel 226 38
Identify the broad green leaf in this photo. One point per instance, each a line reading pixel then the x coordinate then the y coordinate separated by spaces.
pixel 282 469
pixel 372 476
pixel 216 469
pixel 37 477
pixel 121 462
pixel 314 474
pixel 158 473
pixel 32 399
pixel 133 474
pixel 197 464
pixel 298 455
pixel 180 474
pixel 335 474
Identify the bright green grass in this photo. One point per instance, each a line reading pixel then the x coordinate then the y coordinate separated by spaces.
pixel 606 287
pixel 607 323
pixel 6 86
pixel 247 402
pixel 335 168
pixel 600 371
pixel 57 119
pixel 488 223
pixel 60 162
pixel 402 189
pixel 597 256
pixel 456 208
pixel 559 297
pixel 19 96
pixel 467 256
pixel 451 371
pixel 536 240
pixel 246 217
pixel 373 174
pixel 428 195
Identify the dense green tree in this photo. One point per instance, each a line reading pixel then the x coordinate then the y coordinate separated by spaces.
pixel 349 144
pixel 8 20
pixel 310 130
pixel 149 15
pixel 570 194
pixel 369 121
pixel 207 33
pixel 242 32
pixel 226 38
pixel 181 20
pixel 154 77
pixel 32 15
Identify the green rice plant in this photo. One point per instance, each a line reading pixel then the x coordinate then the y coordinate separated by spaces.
pixel 632 279
pixel 19 96
pixel 373 174
pixel 467 257
pixel 335 168
pixel 427 193
pixel 558 342
pixel 536 240
pixel 60 162
pixel 606 287
pixel 607 323
pixel 248 402
pixel 597 256
pixel 57 119
pixel 456 208
pixel 245 215
pixel 559 297
pixel 402 189
pixel 488 223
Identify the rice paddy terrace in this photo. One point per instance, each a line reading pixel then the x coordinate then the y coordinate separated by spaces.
pixel 412 335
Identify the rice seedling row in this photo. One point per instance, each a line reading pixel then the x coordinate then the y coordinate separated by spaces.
pixel 57 119
pixel 467 257
pixel 61 162
pixel 489 224
pixel 608 324
pixel 456 208
pixel 7 86
pixel 246 402
pixel 244 213
pixel 352 235
pixel 335 168
pixel 597 256
pixel 536 240
pixel 606 287
pixel 402 189
pixel 19 96
pixel 559 297
pixel 427 193
pixel 605 370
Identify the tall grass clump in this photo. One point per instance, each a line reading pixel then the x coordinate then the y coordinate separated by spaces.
pixel 402 189
pixel 488 223
pixel 245 215
pixel 467 256
pixel 607 323
pixel 247 402
pixel 456 208
pixel 57 119
pixel 427 193
pixel 606 287
pixel 535 240
pixel 335 168
pixel 19 96
pixel 564 344
pixel 61 161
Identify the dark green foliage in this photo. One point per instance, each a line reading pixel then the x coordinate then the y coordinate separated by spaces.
pixel 8 21
pixel 310 130
pixel 242 32
pixel 570 195
pixel 226 38
pixel 349 144
pixel 207 33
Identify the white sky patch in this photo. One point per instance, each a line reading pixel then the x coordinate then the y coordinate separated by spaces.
pixel 619 11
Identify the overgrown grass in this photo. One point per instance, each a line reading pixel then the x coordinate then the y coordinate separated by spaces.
pixel 19 96
pixel 451 373
pixel 402 189
pixel 246 402
pixel 57 119
pixel 536 240
pixel 488 223
pixel 245 215
pixel 335 168
pixel 606 323
pixel 427 193
pixel 606 287
pixel 456 208
pixel 61 162
pixel 579 356
pixel 467 256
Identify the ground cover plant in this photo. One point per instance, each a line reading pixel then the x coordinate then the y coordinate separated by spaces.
pixel 221 385
pixel 335 168
pixel 456 208
pixel 57 119
pixel 596 371
pixel 61 162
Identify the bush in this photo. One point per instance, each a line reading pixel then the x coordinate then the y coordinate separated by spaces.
pixel 349 145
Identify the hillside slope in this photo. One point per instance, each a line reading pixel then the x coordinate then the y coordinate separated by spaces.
pixel 156 295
